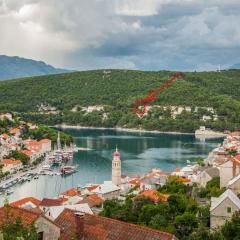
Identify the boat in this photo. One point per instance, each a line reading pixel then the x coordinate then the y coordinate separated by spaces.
pixel 46 167
pixel 67 170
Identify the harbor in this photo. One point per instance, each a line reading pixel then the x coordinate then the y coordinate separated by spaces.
pixel 140 153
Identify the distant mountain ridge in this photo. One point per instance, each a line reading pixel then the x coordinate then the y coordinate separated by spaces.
pixel 17 67
pixel 235 66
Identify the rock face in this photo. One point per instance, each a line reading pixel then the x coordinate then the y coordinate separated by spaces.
pixel 16 67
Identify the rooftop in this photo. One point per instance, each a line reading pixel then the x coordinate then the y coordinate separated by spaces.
pixel 106 187
pixel 11 213
pixel 227 194
pixel 71 192
pixel 92 200
pixel 101 228
pixel 49 202
pixel 26 202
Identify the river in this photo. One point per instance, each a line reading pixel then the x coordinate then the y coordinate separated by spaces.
pixel 140 152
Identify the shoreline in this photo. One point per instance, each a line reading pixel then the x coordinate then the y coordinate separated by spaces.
pixel 65 126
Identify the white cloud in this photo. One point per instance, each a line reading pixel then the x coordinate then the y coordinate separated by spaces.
pixel 148 34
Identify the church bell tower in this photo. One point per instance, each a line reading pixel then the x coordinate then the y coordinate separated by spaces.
pixel 116 168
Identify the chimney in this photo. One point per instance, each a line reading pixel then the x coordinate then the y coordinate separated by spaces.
pixel 79 216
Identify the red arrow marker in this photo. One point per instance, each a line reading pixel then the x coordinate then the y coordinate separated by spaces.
pixel 152 96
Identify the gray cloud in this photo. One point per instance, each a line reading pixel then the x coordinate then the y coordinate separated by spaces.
pixel 145 34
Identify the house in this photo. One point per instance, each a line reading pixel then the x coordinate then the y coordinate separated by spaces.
pixel 4 116
pixel 31 154
pixel 72 200
pixel 226 172
pixel 46 145
pixel 89 227
pixel 153 180
pixel 43 146
pixel 11 166
pixel 107 190
pixel 223 207
pixel 206 175
pixel 53 212
pixel 92 200
pixel 4 137
pixel 88 189
pixel 28 202
pixel 33 145
pixel 46 228
pixel 50 202
pixel 70 193
pixel 16 132
pixel 234 184
pixel 155 196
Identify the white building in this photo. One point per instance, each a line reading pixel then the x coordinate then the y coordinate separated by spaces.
pixel 116 168
pixel 107 190
pixel 226 173
pixel 53 212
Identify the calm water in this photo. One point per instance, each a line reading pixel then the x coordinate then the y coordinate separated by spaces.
pixel 140 152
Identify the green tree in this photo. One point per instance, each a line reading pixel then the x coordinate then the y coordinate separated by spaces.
pixel 185 224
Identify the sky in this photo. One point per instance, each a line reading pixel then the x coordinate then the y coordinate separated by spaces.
pixel 131 34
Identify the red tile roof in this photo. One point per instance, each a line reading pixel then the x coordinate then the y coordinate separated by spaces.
pixel 11 162
pixel 4 136
pixel 71 192
pixel 155 196
pixel 101 228
pixel 14 130
pixel 45 140
pixel 91 187
pixel 23 201
pixel 135 181
pixel 11 213
pixel 49 202
pixel 27 152
pixel 92 200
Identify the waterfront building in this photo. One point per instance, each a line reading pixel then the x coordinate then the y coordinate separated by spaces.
pixel 223 208
pixel 116 168
pixel 11 166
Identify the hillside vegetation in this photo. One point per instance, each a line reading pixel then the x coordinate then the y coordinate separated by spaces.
pixel 119 89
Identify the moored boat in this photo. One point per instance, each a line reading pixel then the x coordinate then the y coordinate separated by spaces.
pixel 67 170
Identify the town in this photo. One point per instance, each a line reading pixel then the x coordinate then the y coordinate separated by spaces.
pixel 214 182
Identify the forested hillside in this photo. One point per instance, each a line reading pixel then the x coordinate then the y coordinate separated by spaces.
pixel 119 89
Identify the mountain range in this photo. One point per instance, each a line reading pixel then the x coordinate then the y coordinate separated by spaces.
pixel 17 67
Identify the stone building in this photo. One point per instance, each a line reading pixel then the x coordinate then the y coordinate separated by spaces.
pixel 223 208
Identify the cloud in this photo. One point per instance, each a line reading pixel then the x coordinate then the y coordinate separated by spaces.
pixel 141 34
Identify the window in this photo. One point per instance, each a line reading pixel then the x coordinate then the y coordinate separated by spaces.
pixel 229 209
pixel 40 236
